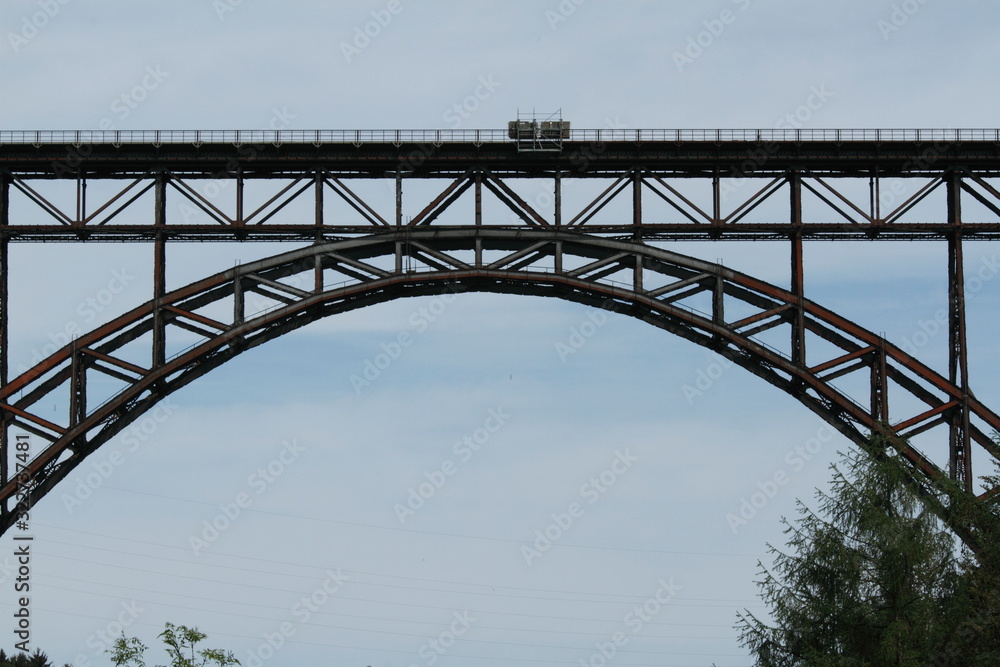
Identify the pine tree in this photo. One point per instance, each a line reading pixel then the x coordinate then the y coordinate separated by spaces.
pixel 971 633
pixel 866 580
pixel 36 659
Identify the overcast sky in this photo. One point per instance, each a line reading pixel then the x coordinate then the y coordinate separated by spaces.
pixel 460 580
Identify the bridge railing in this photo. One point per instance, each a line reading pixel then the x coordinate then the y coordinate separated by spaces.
pixel 488 136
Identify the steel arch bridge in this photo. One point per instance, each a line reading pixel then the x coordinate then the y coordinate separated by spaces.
pixel 180 335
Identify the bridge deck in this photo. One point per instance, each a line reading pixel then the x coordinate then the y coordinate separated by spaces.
pixel 381 153
pixel 795 161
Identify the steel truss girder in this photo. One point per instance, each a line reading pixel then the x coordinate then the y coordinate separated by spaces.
pixel 651 284
pixel 654 170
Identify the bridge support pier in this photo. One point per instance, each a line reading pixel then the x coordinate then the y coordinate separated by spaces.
pixel 958 361
pixel 798 271
pixel 159 269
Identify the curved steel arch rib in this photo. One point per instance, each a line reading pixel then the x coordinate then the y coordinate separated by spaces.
pixel 686 296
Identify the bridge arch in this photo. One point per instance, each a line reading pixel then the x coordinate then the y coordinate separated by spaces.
pixel 685 296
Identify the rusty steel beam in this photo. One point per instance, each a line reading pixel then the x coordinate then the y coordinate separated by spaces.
pixel 797 269
pixel 651 231
pixel 958 360
pixel 509 198
pixel 159 350
pixel 442 201
pixel 599 202
pixel 754 201
pixel 687 221
pixel 714 219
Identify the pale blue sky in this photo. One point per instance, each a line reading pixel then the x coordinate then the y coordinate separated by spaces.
pixel 126 551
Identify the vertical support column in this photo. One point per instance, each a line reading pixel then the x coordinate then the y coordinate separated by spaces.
pixel 239 302
pixel 399 218
pixel 479 216
pixel 557 214
pixel 81 200
pixel 78 391
pixel 318 274
pixel 637 204
pixel 875 187
pixel 879 395
pixel 557 259
pixel 4 321
pixel 719 300
pixel 637 234
pixel 716 199
pixel 479 198
pixel 240 222
pixel 797 270
pixel 159 270
pixel 958 361
pixel 399 197
pixel 320 180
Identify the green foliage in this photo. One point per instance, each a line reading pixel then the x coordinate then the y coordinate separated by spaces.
pixel 867 579
pixel 972 637
pixel 128 651
pixel 36 659
pixel 181 643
